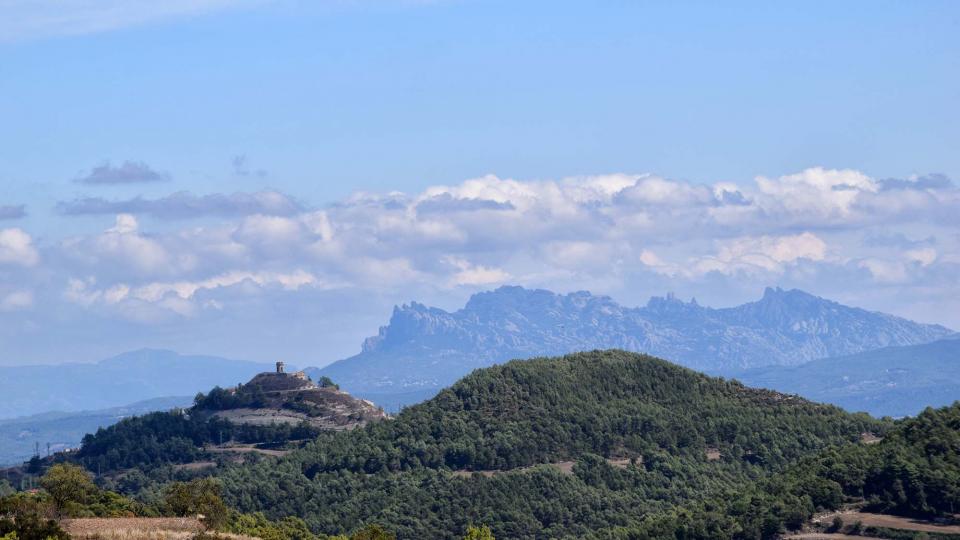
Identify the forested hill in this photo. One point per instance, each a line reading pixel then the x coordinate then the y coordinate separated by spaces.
pixel 271 409
pixel 913 471
pixel 645 435
pixel 425 348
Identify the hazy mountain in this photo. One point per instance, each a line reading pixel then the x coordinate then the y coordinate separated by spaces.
pixel 894 381
pixel 426 348
pixel 65 430
pixel 117 381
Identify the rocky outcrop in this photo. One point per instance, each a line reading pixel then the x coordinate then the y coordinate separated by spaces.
pixel 292 398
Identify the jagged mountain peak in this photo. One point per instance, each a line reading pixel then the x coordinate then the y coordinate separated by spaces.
pixel 773 295
pixel 424 347
pixel 670 304
pixel 521 299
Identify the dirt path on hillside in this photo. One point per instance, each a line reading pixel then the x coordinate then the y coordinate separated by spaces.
pixel 828 536
pixel 565 467
pixel 246 448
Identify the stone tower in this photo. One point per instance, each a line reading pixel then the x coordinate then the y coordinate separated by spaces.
pixel 279 367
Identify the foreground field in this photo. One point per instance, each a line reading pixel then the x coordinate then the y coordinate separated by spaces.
pixel 872 522
pixel 138 529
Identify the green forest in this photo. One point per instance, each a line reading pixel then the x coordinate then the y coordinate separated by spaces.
pixel 167 438
pixel 586 408
pixel 605 444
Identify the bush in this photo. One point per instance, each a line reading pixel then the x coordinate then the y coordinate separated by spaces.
pixel 199 497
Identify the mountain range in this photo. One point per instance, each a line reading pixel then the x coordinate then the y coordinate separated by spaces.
pixel 423 349
pixel 892 381
pixel 788 340
pixel 62 430
pixel 115 382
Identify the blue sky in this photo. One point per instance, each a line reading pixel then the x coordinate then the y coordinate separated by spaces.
pixel 256 112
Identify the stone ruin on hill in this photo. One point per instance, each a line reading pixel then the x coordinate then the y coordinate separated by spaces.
pixel 280 380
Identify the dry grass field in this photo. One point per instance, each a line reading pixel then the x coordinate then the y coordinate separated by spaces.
pixel 892 522
pixel 867 519
pixel 138 529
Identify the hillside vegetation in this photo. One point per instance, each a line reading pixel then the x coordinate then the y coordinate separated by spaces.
pixel 273 408
pixel 670 423
pixel 66 430
pixel 914 471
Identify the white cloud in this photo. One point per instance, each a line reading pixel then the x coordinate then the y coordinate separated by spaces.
pixel 817 192
pixel 16 300
pixel 30 19
pixel 16 247
pixel 770 252
pixel 475 274
pixel 123 244
pixel 749 255
pixel 179 297
pixel 814 228
pixel 884 271
pixel 923 256
pixel 187 289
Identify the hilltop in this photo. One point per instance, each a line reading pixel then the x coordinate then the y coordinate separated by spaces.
pixel 269 415
pixel 549 447
pixel 287 398
pixel 423 349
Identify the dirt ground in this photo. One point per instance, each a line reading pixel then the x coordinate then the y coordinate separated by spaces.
pixel 849 517
pixel 893 522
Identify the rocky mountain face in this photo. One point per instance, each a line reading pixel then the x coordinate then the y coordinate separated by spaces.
pixel 426 348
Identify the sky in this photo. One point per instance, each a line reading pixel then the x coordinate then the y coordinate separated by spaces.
pixel 265 179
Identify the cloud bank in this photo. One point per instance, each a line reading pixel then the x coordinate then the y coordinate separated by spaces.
pixel 491 230
pixel 891 244
pixel 184 205
pixel 130 172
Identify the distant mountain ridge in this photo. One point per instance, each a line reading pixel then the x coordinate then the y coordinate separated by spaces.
pixel 892 381
pixel 64 430
pixel 114 382
pixel 427 348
